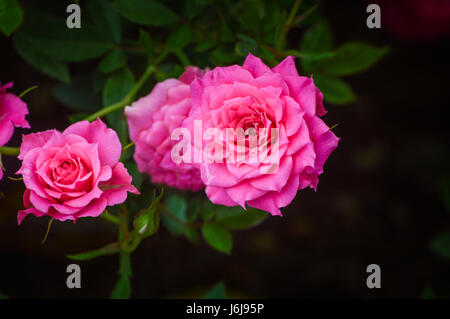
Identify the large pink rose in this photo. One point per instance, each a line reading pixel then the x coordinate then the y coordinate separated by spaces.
pixel 255 96
pixel 12 113
pixel 151 120
pixel 73 174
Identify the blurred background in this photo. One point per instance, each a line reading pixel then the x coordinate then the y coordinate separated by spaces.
pixel 383 199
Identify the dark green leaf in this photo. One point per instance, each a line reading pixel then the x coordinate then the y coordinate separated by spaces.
pixel 177 207
pixel 223 55
pixel 51 36
pixel 106 19
pixel 135 174
pixel 317 39
pixel 206 45
pixel 243 220
pixel 146 42
pixel 2 296
pixel 311 56
pixel 77 117
pixel 209 210
pixel 216 292
pixel 352 58
pixel 194 208
pixel 428 293
pixel 38 60
pixel 192 9
pixel 78 95
pixel 147 12
pixel 106 250
pixel 218 237
pixel 334 90
pixel 192 235
pixel 11 16
pixel 440 245
pixel 113 61
pixel 180 38
pixel 225 34
pixel 117 86
pixel 246 45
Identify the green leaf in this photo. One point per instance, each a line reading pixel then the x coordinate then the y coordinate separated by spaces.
pixel 117 86
pixel 147 12
pixel 428 293
pixel 146 42
pixel 225 34
pixel 209 210
pixel 192 235
pixel 134 172
pixel 106 250
pixel 311 56
pixel 192 9
pixel 194 208
pixel 246 45
pixel 180 38
pixel 11 16
pixel 106 19
pixel 51 36
pixel 334 90
pixel 440 245
pixel 216 292
pixel 243 220
pixel 77 117
pixel 38 60
pixel 223 54
pixel 2 296
pixel 218 237
pixel 113 61
pixel 206 45
pixel 177 206
pixel 317 39
pixel 78 95
pixel 352 58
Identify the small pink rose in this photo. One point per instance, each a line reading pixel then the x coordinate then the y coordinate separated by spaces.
pixel 73 174
pixel 151 121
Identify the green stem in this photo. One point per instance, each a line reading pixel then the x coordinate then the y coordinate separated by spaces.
pixel 127 99
pixel 282 38
pixel 165 211
pixel 110 218
pixel 12 151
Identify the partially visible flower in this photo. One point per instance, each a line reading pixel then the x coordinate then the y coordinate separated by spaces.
pixel 249 98
pixel 12 114
pixel 416 19
pixel 73 174
pixel 151 121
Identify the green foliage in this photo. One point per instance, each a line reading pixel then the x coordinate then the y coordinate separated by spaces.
pixel 335 90
pixel 440 245
pixel 2 296
pixel 317 39
pixel 38 60
pixel 113 61
pixel 175 223
pixel 180 38
pixel 216 292
pixel 218 237
pixel 244 219
pixel 11 16
pixel 78 95
pixel 106 20
pixel 352 58
pixel 146 12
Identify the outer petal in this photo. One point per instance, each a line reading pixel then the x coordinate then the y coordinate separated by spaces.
pixel 255 65
pixel 115 189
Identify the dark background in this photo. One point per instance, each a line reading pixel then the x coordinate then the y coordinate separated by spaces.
pixel 378 201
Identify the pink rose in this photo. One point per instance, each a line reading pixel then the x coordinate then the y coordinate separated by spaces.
pixel 151 121
pixel 255 96
pixel 73 174
pixel 12 113
pixel 416 19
